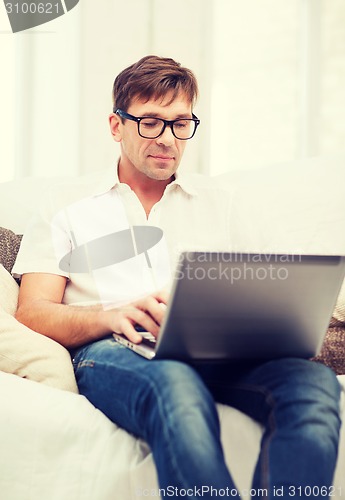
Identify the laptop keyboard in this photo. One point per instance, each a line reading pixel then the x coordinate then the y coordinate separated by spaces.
pixel 148 338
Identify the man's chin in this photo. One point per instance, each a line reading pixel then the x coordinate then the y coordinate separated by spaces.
pixel 161 174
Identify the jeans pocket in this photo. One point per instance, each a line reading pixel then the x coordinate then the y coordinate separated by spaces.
pixel 86 355
pixel 81 356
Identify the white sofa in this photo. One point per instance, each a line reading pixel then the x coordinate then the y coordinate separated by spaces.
pixel 56 445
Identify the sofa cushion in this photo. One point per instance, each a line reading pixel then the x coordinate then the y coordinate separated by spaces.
pixel 339 311
pixel 332 352
pixel 26 353
pixel 9 246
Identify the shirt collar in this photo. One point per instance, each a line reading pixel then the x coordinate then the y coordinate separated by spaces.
pixel 107 181
pixel 110 179
pixel 185 183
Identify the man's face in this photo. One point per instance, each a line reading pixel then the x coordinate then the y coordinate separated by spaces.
pixel 159 158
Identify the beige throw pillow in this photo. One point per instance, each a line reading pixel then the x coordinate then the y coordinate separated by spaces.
pixel 26 353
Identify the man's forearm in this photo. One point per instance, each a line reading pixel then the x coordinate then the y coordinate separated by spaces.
pixel 71 326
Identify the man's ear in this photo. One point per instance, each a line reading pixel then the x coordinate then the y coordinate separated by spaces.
pixel 115 126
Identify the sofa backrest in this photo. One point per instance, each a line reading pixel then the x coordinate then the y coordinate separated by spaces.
pixel 290 207
pixel 294 207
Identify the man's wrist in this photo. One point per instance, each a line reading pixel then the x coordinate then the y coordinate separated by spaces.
pixel 108 320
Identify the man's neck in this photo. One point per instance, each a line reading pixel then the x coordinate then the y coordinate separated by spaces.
pixel 149 191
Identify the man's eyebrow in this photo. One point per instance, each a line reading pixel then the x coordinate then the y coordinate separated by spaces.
pixel 156 115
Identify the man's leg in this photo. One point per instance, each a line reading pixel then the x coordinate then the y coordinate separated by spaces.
pixel 298 403
pixel 163 402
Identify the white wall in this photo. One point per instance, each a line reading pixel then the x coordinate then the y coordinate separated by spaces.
pixel 278 92
pixel 7 122
pixel 40 89
pixel 271 74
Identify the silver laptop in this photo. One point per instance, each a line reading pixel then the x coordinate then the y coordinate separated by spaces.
pixel 227 306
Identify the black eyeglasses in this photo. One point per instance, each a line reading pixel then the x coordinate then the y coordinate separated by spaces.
pixel 150 127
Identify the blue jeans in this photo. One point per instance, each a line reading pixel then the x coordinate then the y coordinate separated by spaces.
pixel 171 405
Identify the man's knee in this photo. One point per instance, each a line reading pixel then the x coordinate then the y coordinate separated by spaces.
pixel 319 378
pixel 177 381
pixel 176 389
pixel 304 374
pixel 300 391
pixel 306 395
pixel 179 404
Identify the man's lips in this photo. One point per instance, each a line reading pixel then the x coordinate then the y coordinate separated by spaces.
pixel 162 157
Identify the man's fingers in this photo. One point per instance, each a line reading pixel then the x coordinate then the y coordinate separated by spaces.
pixel 126 328
pixel 162 296
pixel 132 316
pixel 147 313
pixel 147 318
pixel 152 307
pixel 129 332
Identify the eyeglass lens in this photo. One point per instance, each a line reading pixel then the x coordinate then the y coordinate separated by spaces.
pixel 153 127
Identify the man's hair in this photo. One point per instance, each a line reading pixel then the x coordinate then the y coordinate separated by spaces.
pixel 153 77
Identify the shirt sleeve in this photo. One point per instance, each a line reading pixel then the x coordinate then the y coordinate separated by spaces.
pixel 44 242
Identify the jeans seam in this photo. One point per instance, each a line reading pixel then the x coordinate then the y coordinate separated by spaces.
pixel 86 363
pixel 270 429
pixel 92 363
pixel 271 424
pixel 167 436
pixel 166 430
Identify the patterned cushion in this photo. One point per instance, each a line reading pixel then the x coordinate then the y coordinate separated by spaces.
pixel 332 352
pixel 9 246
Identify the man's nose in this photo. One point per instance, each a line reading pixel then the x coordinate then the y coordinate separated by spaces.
pixel 167 138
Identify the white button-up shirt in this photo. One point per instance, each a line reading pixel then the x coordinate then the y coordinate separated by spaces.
pixel 87 231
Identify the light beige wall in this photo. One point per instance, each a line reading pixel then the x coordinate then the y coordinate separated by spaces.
pixel 332 115
pixel 279 82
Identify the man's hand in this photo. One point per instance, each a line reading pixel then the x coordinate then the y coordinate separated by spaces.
pixel 40 309
pixel 147 312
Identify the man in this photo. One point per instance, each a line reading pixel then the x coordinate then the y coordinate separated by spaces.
pixel 169 404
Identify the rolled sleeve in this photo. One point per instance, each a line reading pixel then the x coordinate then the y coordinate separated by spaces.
pixel 39 251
